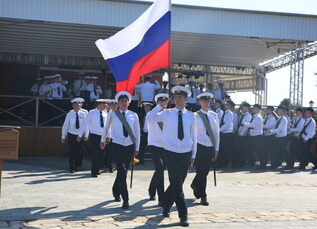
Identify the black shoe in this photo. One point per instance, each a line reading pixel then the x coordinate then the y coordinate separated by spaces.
pixel 288 167
pixel 117 199
pixel 152 198
pixel 125 205
pixel 184 222
pixel 94 175
pixel 195 191
pixel 166 212
pixel 302 167
pixel 71 170
pixel 204 201
pixel 98 173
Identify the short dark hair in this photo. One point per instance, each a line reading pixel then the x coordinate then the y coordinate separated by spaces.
pixel 218 101
pixel 281 107
pixel 123 97
pixel 257 106
pixel 231 103
pixel 246 105
pixel 299 109
pixel 271 108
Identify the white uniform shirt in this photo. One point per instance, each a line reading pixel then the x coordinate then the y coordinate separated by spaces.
pixel 281 130
pixel 235 121
pixel 192 98
pixel 220 94
pixel 116 126
pixel 94 94
pixel 44 89
pixel 219 112
pixel 69 125
pixel 57 90
pixel 147 90
pixel 202 137
pixel 155 133
pixel 245 117
pixel 145 127
pixel 300 121
pixel 227 126
pixel 169 117
pixel 92 123
pixel 310 130
pixel 79 85
pixel 269 124
pixel 256 126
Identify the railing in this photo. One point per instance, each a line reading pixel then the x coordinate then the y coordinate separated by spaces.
pixel 31 110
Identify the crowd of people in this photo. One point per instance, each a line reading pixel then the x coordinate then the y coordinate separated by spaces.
pixel 185 126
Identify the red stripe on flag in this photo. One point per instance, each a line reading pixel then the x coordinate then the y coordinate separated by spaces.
pixel 158 58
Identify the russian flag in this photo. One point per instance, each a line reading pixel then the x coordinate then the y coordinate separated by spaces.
pixel 140 48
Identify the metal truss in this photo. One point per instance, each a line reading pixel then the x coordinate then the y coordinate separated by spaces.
pixel 297 74
pixel 286 59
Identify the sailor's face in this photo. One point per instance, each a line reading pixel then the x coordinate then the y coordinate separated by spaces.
pixel 123 103
pixel 180 100
pixel 204 103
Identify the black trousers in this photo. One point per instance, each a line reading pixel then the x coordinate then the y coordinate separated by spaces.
pixel 122 156
pixel 279 149
pixel 143 146
pixel 268 148
pixel 177 166
pixel 306 156
pixel 203 163
pixel 226 148
pixel 294 151
pixel 108 158
pixel 242 152
pixel 74 149
pixel 255 150
pixel 157 181
pixel 97 153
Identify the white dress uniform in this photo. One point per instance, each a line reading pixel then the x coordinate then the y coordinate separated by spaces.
pixel 219 112
pixel 220 94
pixel 94 126
pixel 205 151
pixel 280 141
pixel 180 143
pixel 79 85
pixel 147 90
pixel 307 134
pixel 95 91
pixel 298 124
pixel 71 128
pixel 58 90
pixel 169 117
pixel 242 129
pixel 235 121
pixel 226 122
pixel 269 124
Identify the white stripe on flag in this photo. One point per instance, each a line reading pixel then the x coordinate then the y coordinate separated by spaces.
pixel 129 37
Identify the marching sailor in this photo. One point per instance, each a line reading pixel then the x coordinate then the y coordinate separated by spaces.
pixel 156 147
pixel 71 127
pixel 180 143
pixel 207 145
pixel 125 135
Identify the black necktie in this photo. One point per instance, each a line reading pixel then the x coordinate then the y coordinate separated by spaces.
pixel 58 91
pixel 101 120
pixel 125 132
pixel 208 123
pixel 191 89
pixel 223 119
pixel 95 90
pixel 241 119
pixel 160 124
pixel 278 122
pixel 304 128
pixel 222 94
pixel 77 121
pixel 267 118
pixel 296 123
pixel 180 133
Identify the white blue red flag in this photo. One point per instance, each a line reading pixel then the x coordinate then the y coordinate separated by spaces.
pixel 140 48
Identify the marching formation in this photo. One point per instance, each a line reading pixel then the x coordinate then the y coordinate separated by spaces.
pixel 208 133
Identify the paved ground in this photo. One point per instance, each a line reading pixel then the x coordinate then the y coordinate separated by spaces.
pixel 38 193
